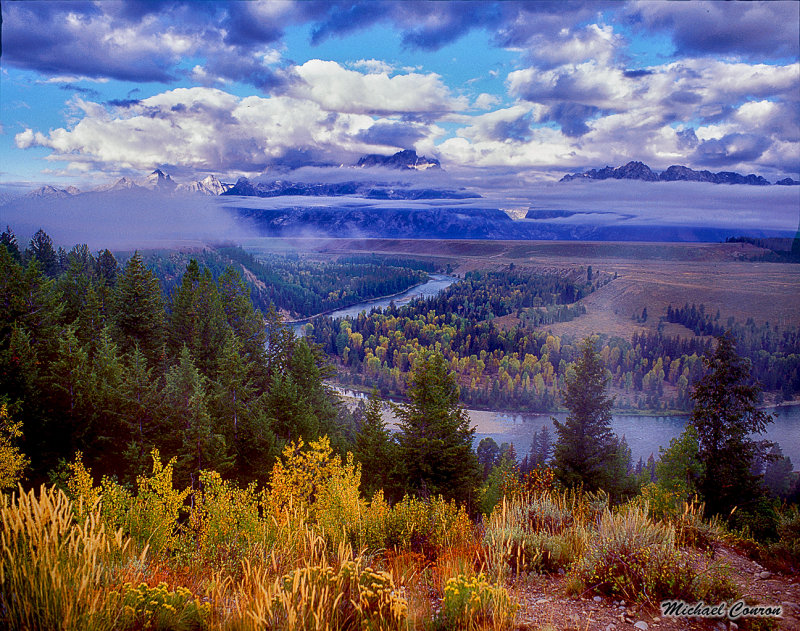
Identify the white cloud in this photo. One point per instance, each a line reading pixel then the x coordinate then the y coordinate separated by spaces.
pixel 207 129
pixel 485 101
pixel 373 66
pixel 337 89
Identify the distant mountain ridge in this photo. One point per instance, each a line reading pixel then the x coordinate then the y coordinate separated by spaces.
pixel 405 160
pixel 368 190
pixel 676 173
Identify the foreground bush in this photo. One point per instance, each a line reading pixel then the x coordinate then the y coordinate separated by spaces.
pixel 146 607
pixel 320 598
pixel 538 532
pixel 635 559
pixel 474 603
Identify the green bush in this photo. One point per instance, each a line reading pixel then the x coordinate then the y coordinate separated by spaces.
pixel 473 602
pixel 635 559
pixel 158 608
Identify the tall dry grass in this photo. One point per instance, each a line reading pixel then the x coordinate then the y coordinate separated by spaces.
pixel 54 569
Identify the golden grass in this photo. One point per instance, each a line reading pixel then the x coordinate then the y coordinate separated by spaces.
pixel 53 568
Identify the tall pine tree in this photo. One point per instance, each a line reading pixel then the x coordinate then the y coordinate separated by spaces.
pixel 435 437
pixel 584 453
pixel 725 414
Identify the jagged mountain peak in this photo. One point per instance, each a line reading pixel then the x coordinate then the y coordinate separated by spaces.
pixel 158 180
pixel 209 185
pixel 640 171
pixel 406 159
pixel 52 191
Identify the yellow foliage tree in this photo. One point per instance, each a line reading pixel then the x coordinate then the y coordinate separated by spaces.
pixel 12 461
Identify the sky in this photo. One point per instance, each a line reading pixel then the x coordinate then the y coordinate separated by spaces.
pixel 526 91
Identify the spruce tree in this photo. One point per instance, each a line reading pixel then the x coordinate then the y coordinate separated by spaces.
pixel 585 451
pixel 139 310
pixel 725 414
pixel 374 448
pixel 435 437
pixel 41 248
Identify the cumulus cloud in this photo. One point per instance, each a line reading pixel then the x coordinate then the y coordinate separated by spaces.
pixel 574 98
pixel 338 89
pixel 207 129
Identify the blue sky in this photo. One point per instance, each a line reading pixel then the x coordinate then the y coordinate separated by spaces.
pixel 94 91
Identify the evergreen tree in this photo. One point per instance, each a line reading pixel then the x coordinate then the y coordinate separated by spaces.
pixel 239 413
pixel 140 401
pixel 435 438
pixel 9 240
pixel 725 414
pixel 139 310
pixel 679 467
pixel 374 448
pixel 187 424
pixel 778 476
pixel 243 318
pixel 106 267
pixel 197 318
pixel 109 432
pixel 41 248
pixel 541 448
pixel 488 453
pixel 585 449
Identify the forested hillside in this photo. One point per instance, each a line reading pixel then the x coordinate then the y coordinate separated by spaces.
pixel 522 367
pixel 95 358
pixel 294 285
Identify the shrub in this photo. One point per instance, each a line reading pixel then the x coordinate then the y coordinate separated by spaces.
pixel 225 521
pixel 146 607
pixel 427 525
pixel 635 559
pixel 152 517
pixel 473 602
pixel 535 533
pixel 785 552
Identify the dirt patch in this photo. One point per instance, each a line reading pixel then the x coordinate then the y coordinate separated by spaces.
pixel 544 602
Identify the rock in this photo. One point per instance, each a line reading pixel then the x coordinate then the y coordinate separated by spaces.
pixel 764 575
pixel 733 626
pixel 597 599
pixel 641 624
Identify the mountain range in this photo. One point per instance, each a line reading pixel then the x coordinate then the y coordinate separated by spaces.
pixel 161 182
pixel 675 173
pixel 368 190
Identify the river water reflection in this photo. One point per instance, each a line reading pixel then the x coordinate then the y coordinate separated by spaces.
pixel 644 434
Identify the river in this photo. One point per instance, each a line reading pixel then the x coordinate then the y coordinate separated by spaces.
pixel 644 434
pixel 435 284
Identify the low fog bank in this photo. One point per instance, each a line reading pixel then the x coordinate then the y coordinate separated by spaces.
pixel 676 204
pixel 125 220
pixel 601 210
